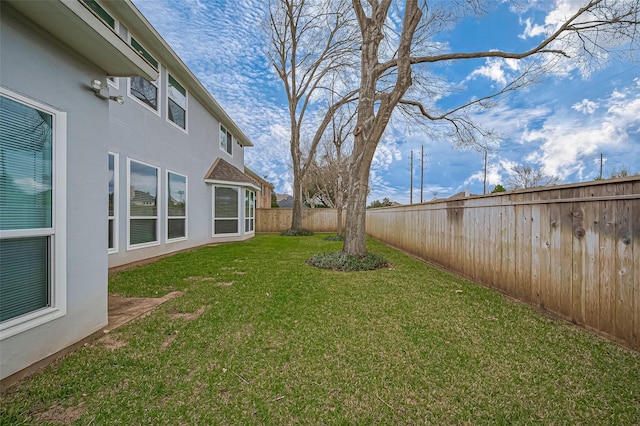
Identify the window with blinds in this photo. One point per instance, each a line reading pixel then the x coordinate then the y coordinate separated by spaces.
pixel 226 211
pixel 143 204
pixel 26 212
pixel 176 207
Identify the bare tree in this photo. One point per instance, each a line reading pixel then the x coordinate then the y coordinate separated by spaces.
pixel 388 58
pixel 326 179
pixel 524 176
pixel 311 43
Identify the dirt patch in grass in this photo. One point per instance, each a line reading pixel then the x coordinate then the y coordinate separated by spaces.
pixel 189 315
pixel 112 343
pixel 200 279
pixel 61 415
pixel 169 340
pixel 213 280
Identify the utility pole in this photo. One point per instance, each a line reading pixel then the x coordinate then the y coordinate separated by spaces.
pixel 600 167
pixel 421 171
pixel 411 175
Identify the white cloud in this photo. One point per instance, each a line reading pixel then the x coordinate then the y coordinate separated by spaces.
pixel 564 143
pixel 585 106
pixel 531 30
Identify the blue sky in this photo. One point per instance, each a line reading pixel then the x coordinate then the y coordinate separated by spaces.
pixel 561 124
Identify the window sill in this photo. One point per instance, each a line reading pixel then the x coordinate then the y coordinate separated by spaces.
pixel 28 321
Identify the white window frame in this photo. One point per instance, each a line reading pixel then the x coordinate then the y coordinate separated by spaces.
pixel 239 207
pixel 186 107
pixel 158 209
pixel 252 211
pixel 156 83
pixel 116 204
pixel 226 145
pixel 57 233
pixel 113 82
pixel 166 206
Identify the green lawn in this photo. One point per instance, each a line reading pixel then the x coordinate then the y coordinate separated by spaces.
pixel 259 337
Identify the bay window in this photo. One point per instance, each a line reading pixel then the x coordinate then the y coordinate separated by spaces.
pixel 226 211
pixel 249 210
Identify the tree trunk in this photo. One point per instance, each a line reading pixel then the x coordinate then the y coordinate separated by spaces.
pixel 296 157
pixel 355 235
pixel 296 213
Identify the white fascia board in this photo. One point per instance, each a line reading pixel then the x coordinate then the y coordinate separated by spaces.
pixel 229 183
pixel 75 25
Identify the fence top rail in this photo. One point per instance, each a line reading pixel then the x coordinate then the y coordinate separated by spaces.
pixel 443 205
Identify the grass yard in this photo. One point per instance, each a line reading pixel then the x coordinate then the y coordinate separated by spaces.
pixel 259 337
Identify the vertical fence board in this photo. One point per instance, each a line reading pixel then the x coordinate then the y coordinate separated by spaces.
pixel 556 264
pixel 592 257
pixel 508 238
pixel 607 266
pixel 635 209
pixel 524 247
pixel 536 250
pixel 566 255
pixel 624 268
pixel 545 251
pixel 578 261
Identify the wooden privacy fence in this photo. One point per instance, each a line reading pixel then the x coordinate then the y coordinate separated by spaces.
pixel 573 250
pixel 317 220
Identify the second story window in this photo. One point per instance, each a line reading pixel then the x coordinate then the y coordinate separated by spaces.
pixel 226 140
pixel 141 89
pixel 103 14
pixel 176 103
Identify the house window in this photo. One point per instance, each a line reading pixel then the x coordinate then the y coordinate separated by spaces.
pixel 249 210
pixel 226 211
pixel 176 103
pixel 93 5
pixel 176 207
pixel 32 213
pixel 226 140
pixel 141 89
pixel 143 204
pixel 113 202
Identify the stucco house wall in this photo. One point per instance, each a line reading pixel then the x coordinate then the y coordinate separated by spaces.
pixel 34 65
pixel 50 54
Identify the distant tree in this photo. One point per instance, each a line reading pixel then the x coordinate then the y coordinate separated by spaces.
pixel 623 172
pixel 384 203
pixel 309 44
pixel 274 200
pixel 523 177
pixel 498 188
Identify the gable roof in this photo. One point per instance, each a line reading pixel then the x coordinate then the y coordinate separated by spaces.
pixel 225 173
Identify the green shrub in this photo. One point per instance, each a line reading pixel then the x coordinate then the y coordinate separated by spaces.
pixel 334 238
pixel 340 261
pixel 296 232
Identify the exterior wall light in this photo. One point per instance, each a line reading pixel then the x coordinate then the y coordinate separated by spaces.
pixel 97 86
